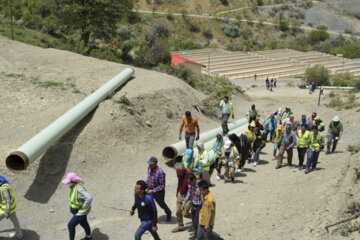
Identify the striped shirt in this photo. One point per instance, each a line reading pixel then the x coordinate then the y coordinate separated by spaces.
pixel 194 195
pixel 156 179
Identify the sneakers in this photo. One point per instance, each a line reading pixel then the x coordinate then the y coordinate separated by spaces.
pixel 327 152
pixel 273 158
pixel 218 178
pixel 14 236
pixel 307 171
pixel 238 170
pixel 300 168
pixel 277 167
pixel 255 164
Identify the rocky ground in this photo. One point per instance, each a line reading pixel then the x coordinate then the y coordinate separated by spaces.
pixel 110 147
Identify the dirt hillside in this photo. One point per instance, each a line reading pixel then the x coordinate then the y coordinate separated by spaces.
pixel 110 147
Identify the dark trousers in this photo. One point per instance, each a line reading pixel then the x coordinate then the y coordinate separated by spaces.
pixel 301 155
pixel 160 199
pixel 243 160
pixel 76 220
pixel 224 123
pixel 189 140
pixel 312 160
pixel 332 140
pixel 213 166
pixel 219 165
pixel 195 210
pixel 267 131
pixel 251 119
pixel 204 235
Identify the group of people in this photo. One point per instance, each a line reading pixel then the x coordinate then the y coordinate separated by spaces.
pixel 270 84
pixel 196 167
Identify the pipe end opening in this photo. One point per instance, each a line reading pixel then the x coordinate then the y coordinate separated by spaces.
pixel 17 162
pixel 169 153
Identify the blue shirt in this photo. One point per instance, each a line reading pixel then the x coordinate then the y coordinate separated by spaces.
pixel 146 208
pixel 301 123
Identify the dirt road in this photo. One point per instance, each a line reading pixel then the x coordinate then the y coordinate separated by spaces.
pixel 109 149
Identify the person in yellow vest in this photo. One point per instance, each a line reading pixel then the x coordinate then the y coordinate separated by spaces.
pixel 276 140
pixel 226 109
pixel 190 163
pixel 302 143
pixel 202 156
pixel 315 144
pixel 80 205
pixel 8 207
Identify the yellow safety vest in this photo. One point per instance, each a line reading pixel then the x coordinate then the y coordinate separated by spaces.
pixel 73 198
pixel 233 151
pixel 206 166
pixel 285 115
pixel 3 203
pixel 315 142
pixel 302 142
pixel 277 137
pixel 230 106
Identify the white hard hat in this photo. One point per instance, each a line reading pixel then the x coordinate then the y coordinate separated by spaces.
pixel 227 144
pixel 336 119
pixel 280 109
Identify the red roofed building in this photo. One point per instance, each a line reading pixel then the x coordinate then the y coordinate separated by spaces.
pixel 192 65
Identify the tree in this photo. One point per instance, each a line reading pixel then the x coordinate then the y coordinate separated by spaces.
pixel 317 74
pixel 317 36
pixel 231 28
pixel 342 79
pixel 98 17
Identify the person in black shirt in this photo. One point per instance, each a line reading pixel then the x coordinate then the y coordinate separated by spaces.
pixel 146 211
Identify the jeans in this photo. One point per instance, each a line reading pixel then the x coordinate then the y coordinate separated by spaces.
pixel 76 220
pixel 267 131
pixel 276 146
pixel 312 159
pixel 160 199
pixel 189 140
pixel 202 234
pixel 331 139
pixel 218 166
pixel 145 225
pixel 224 123
pixel 195 210
pixel 301 155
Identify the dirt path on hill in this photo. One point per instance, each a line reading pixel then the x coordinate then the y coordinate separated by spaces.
pixel 109 149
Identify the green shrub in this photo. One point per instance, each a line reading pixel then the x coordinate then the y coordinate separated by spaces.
pixel 348 31
pixel 342 79
pixel 317 36
pixel 50 24
pixel 124 100
pixel 332 94
pixel 353 148
pixel 124 33
pixel 208 33
pixel 32 21
pixel 335 102
pixel 231 28
pixel 317 74
pixel 357 84
pixel 284 25
pixel 347 228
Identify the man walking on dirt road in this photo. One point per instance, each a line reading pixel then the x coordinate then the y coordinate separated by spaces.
pixel 146 211
pixel 8 207
pixel 193 195
pixel 302 144
pixel 190 123
pixel 181 191
pixel 315 144
pixel 207 213
pixel 226 109
pixel 334 134
pixel 156 185
pixel 287 143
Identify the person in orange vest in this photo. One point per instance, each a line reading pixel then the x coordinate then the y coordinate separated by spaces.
pixel 190 124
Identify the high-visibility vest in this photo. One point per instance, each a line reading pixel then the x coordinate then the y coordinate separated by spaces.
pixel 320 127
pixel 315 141
pixel 277 136
pixel 302 142
pixel 229 104
pixel 206 166
pixel 285 115
pixel 73 198
pixel 3 203
pixel 233 151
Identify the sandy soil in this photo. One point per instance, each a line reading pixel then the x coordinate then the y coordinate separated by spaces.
pixel 110 147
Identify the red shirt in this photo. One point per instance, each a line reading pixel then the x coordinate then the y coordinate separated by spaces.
pixel 182 183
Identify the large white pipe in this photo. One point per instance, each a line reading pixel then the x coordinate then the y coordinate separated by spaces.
pixel 20 159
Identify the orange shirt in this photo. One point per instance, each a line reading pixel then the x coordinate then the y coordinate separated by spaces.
pixel 189 126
